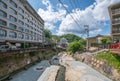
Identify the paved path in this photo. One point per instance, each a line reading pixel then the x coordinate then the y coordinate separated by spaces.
pixel 78 71
pixel 49 74
pixel 31 74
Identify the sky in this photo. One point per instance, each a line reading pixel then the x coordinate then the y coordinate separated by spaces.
pixel 70 16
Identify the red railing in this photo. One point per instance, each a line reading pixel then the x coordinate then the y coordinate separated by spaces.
pixel 114 46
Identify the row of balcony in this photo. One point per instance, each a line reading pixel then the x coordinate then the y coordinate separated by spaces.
pixel 116 11
pixel 115 21
pixel 117 31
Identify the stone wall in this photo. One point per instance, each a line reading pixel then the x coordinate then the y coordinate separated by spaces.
pixel 11 63
pixel 100 65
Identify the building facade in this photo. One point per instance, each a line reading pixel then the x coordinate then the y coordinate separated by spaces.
pixel 19 22
pixel 114 11
pixel 96 41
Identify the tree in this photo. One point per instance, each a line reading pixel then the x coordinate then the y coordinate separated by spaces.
pixel 71 37
pixel 47 33
pixel 76 46
pixel 105 41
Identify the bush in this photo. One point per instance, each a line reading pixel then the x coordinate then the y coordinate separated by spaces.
pixel 75 46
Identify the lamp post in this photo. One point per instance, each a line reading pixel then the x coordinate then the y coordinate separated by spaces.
pixel 87 32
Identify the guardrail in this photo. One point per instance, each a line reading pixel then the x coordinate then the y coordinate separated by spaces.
pixel 24 50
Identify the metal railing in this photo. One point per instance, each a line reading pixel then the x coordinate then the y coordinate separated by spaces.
pixel 26 50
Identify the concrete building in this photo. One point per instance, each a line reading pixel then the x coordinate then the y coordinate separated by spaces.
pixel 63 43
pixel 114 11
pixel 95 42
pixel 20 23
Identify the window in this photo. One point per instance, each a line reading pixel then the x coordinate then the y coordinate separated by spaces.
pixel 31 22
pixel 26 25
pixel 31 32
pixel 12 34
pixel 3 23
pixel 21 16
pixel 3 32
pixel 26 14
pixel 26 20
pixel 26 30
pixel 13 19
pixel 35 29
pixel 32 37
pixel 21 36
pixel 21 10
pixel 31 27
pixel 26 37
pixel 2 4
pixel 13 3
pixel 21 29
pixel 21 22
pixel 13 11
pixel 30 18
pixel 3 14
pixel 12 26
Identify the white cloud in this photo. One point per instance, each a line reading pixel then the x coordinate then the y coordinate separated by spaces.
pixel 100 10
pixel 50 16
pixel 93 15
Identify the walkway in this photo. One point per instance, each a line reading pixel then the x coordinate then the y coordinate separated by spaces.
pixel 78 71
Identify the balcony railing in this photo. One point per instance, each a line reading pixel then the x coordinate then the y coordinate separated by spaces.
pixel 116 11
pixel 117 31
pixel 115 21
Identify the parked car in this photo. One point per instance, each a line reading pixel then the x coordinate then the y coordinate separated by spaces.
pixel 5 48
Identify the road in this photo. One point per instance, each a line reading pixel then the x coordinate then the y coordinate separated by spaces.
pixel 78 71
pixel 31 74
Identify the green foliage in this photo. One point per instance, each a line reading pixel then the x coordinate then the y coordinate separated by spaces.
pixel 32 54
pixel 47 33
pixel 56 37
pixel 111 58
pixel 75 46
pixel 69 37
pixel 83 42
pixel 105 40
pixel 109 41
pixel 22 45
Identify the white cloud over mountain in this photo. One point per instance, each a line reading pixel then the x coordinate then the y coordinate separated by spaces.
pixel 94 16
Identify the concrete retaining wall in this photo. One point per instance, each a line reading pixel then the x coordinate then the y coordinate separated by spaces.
pixel 49 74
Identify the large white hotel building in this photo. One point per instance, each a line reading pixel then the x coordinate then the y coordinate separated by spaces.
pixel 19 23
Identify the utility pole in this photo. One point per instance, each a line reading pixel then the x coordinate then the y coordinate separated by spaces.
pixel 87 32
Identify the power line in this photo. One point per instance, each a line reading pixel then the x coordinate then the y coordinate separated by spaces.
pixel 73 6
pixel 69 13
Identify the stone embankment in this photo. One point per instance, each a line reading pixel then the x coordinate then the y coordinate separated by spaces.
pixel 11 64
pixel 100 65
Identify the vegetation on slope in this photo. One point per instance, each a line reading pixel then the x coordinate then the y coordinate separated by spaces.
pixel 111 58
pixel 69 37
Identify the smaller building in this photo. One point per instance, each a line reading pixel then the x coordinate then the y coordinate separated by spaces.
pixel 63 43
pixel 95 42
